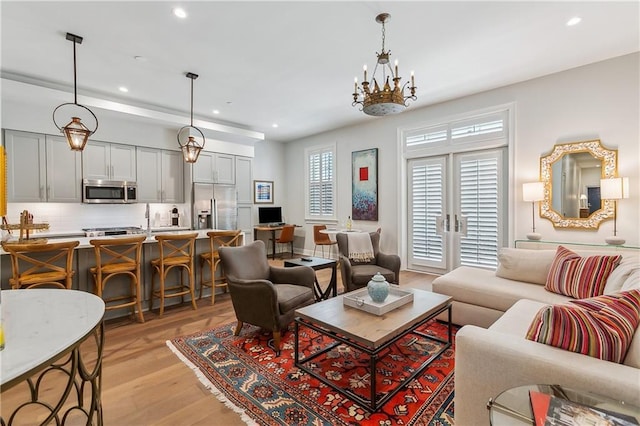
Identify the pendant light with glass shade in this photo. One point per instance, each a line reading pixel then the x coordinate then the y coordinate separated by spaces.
pixel 75 131
pixel 188 144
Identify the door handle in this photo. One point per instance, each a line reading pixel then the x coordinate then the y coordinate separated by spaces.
pixel 448 223
pixel 456 224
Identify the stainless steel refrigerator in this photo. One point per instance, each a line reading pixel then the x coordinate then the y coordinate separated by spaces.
pixel 214 206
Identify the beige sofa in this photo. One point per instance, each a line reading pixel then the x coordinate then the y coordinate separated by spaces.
pixel 496 309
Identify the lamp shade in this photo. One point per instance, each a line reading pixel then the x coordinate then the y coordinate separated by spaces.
pixel 533 191
pixel 614 188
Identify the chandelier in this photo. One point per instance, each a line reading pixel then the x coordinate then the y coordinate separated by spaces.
pixel 75 131
pixel 191 147
pixel 390 98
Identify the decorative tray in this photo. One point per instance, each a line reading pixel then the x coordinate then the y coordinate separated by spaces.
pixel 360 299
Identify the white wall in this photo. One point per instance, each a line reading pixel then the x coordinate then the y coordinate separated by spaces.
pixel 598 101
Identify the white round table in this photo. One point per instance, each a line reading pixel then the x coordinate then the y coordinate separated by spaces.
pixel 44 329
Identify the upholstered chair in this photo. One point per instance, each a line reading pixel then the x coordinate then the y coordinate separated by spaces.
pixel 356 275
pixel 264 295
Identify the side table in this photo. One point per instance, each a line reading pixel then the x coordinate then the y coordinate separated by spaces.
pixel 513 406
pixel 45 329
pixel 317 263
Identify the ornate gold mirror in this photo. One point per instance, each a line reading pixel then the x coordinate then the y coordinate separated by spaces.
pixel 571 174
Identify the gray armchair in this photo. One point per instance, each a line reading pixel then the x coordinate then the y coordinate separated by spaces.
pixel 265 295
pixel 357 275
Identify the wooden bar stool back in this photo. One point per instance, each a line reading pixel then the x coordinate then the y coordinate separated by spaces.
pixel 119 256
pixel 176 252
pixel 41 264
pixel 217 239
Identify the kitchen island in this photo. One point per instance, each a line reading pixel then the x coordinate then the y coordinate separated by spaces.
pixel 85 258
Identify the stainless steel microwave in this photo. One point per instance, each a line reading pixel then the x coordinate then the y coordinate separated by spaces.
pixel 98 191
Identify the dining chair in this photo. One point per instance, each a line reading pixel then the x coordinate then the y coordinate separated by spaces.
pixel 217 239
pixel 286 236
pixel 176 253
pixel 321 239
pixel 119 257
pixel 41 265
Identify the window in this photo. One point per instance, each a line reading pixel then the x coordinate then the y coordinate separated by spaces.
pixel 321 183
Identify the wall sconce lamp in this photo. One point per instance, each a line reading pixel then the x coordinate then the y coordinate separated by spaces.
pixel 614 189
pixel 75 131
pixel 533 191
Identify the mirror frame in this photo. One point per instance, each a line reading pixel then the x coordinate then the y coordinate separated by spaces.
pixel 609 169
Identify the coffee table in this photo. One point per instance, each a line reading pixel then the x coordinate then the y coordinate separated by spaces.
pixel 317 263
pixel 372 335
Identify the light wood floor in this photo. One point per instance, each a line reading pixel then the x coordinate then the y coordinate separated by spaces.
pixel 144 383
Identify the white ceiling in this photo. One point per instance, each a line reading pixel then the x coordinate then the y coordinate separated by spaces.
pixel 293 63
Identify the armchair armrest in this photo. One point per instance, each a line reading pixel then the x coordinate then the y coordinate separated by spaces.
pixel 298 275
pixel 390 262
pixel 345 266
pixel 254 301
pixel 488 362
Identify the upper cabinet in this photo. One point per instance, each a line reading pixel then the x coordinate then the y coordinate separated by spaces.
pixel 244 178
pixel 213 167
pixel 41 168
pixel 103 160
pixel 160 176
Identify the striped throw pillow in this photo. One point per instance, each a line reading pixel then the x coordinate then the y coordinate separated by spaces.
pixel 579 277
pixel 601 327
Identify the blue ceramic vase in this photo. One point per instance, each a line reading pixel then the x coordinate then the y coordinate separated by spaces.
pixel 378 288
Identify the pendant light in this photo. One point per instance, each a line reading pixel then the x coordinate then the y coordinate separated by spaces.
pixel 190 147
pixel 75 131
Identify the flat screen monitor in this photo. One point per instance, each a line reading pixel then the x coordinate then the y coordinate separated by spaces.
pixel 270 214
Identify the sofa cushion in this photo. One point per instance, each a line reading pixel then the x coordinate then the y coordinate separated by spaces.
pixel 602 327
pixel 531 266
pixel 579 277
pixel 625 276
pixel 481 287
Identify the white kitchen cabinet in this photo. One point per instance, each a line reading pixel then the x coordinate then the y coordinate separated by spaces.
pixel 203 169
pixel 104 160
pixel 244 179
pixel 213 167
pixel 224 168
pixel 41 168
pixel 160 176
pixel 172 177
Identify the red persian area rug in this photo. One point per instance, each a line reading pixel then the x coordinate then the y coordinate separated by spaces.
pixel 245 373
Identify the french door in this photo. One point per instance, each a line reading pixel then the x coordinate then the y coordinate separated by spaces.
pixel 456 212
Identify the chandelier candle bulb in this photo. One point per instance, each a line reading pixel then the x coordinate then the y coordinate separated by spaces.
pixel 396 68
pixel 365 72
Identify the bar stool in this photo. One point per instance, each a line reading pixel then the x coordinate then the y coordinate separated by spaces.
pixel 119 256
pixel 41 265
pixel 176 251
pixel 217 239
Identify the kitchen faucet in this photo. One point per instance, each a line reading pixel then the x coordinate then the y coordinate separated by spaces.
pixel 148 217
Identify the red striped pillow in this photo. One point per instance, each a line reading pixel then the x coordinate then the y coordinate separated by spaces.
pixel 579 277
pixel 601 327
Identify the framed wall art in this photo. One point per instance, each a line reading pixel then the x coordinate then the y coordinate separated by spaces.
pixel 263 192
pixel 364 184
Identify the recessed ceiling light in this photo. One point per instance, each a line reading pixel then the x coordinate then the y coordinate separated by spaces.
pixel 274 125
pixel 179 12
pixel 140 58
pixel 573 21
pixel 215 111
pixel 123 89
